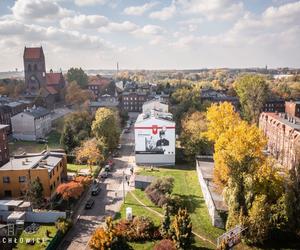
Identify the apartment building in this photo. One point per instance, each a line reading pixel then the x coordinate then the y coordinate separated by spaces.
pixel 17 174
pixel 31 124
pixel 283 134
pixel 4 152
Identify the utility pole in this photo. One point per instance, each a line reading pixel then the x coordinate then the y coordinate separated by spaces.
pixel 123 178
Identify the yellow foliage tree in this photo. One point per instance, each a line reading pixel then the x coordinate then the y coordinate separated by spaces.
pixel 90 152
pixel 220 117
pixel 238 150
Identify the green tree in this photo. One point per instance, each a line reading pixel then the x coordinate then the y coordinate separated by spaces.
pixel 106 128
pixel 181 230
pixel 79 76
pixel 253 92
pixel 165 225
pixel 77 127
pixel 35 193
pixel 192 137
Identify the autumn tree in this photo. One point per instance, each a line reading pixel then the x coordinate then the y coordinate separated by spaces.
pixel 181 230
pixel 77 96
pixel 77 127
pixel 70 190
pixel 220 117
pixel 79 76
pixel 253 92
pixel 237 152
pixel 192 137
pixel 35 193
pixel 105 127
pixel 90 152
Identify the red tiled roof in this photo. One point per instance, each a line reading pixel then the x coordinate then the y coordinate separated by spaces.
pixel 100 82
pixel 53 78
pixel 33 53
pixel 51 90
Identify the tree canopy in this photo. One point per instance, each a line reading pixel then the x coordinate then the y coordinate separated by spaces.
pixel 253 92
pixel 106 127
pixel 79 76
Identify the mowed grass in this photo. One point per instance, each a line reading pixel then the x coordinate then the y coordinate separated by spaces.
pixel 187 187
pixel 76 167
pixel 19 147
pixel 40 234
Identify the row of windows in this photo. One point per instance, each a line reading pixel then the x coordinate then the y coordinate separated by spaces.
pixel 52 173
pixel 35 67
pixel 52 186
pixel 134 98
pixel 6 179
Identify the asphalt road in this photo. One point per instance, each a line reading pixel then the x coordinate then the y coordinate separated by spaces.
pixel 107 202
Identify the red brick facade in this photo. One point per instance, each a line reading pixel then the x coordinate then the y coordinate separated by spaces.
pixel 283 134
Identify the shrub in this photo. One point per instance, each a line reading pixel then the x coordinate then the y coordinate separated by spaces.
pixel 140 229
pixel 159 190
pixel 165 245
pixel 63 224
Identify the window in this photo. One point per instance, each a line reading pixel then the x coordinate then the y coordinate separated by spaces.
pixel 22 178
pixel 29 67
pixel 6 179
pixel 35 67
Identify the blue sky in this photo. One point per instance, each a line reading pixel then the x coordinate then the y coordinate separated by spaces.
pixel 165 34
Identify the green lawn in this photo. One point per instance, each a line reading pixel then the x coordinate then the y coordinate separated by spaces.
pixel 40 234
pixel 76 167
pixel 19 147
pixel 186 185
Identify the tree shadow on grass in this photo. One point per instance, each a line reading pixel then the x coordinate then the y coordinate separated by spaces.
pixel 190 202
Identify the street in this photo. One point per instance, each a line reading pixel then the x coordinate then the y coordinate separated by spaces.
pixel 107 202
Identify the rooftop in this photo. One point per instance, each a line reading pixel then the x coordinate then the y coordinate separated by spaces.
pixel 37 112
pixel 207 167
pixel 156 114
pixel 33 53
pixel 144 178
pixel 53 78
pixel 292 122
pixel 44 159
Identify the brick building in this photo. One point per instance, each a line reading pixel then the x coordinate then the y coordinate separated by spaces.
pixel 4 153
pixel 39 84
pixel 274 105
pixel 133 101
pixel 293 109
pixel 283 134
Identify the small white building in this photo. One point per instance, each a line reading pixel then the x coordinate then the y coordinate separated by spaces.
pixel 155 139
pixel 155 104
pixel 32 124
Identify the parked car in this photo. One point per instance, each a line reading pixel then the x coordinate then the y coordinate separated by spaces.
pixel 96 189
pixel 116 154
pixel 89 204
pixel 111 162
pixel 42 141
pixel 104 175
pixel 119 146
pixel 107 168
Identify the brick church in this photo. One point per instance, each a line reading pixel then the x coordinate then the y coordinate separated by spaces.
pixel 41 87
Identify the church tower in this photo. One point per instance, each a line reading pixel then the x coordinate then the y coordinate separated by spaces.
pixel 35 69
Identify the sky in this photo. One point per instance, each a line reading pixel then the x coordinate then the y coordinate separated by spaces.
pixel 158 34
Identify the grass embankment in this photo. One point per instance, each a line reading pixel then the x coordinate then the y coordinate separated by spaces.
pixel 40 234
pixel 186 186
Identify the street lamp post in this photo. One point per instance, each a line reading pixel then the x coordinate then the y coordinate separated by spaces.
pixel 123 187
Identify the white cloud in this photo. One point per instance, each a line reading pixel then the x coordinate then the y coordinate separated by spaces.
pixel 125 26
pixel 213 9
pixel 84 22
pixel 148 30
pixel 165 13
pixel 38 9
pixel 90 2
pixel 140 9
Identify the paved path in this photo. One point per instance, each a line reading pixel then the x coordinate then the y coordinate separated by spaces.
pixel 161 215
pixel 107 203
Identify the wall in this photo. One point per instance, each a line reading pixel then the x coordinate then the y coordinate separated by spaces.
pixel 23 127
pixel 215 217
pixel 37 216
